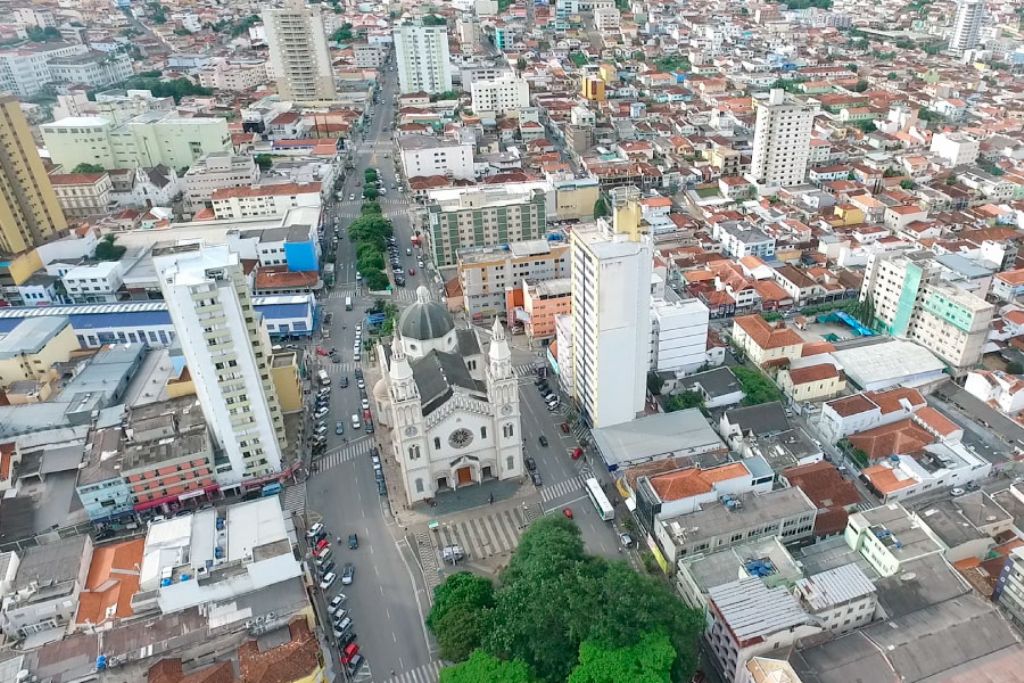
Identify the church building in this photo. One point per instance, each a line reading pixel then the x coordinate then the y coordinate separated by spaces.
pixel 453 411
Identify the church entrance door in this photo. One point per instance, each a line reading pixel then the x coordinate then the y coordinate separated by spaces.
pixel 465 475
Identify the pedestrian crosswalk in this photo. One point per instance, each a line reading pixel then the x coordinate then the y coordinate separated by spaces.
pixel 525 370
pixel 344 453
pixel 428 562
pixel 486 535
pixel 428 673
pixel 406 295
pixel 293 498
pixel 549 492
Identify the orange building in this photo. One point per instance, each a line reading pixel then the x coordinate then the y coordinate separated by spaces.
pixel 541 302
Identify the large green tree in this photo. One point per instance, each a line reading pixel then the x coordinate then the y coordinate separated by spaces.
pixel 553 598
pixel 649 661
pixel 482 667
pixel 376 280
pixel 756 387
pixel 85 167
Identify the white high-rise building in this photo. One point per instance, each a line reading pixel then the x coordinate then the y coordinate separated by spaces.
pixel 421 53
pixel 299 58
pixel 508 93
pixel 782 140
pixel 228 354
pixel 611 314
pixel 967 27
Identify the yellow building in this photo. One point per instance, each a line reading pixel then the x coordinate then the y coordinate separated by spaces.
pixel 812 383
pixel 575 199
pixel 182 385
pixel 29 212
pixel 849 214
pixel 765 343
pixel 608 73
pixel 284 370
pixel 33 347
pixel 17 270
pixel 592 88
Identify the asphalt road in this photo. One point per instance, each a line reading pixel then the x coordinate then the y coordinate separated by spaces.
pixel 386 601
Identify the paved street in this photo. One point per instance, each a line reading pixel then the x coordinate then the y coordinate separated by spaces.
pixel 387 600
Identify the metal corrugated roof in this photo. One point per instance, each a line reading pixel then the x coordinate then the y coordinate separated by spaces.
pixel 753 610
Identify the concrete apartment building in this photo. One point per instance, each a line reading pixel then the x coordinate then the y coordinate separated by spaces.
pixel 782 140
pixel 424 155
pixel 236 75
pixel 218 171
pixel 955 148
pixel 264 200
pixel 299 57
pixel 30 351
pixel 611 314
pixel 368 56
pixel 967 26
pixel 482 217
pixel 25 70
pixel 487 273
pixel 543 303
pixel 94 68
pixel 147 140
pixel 679 334
pixel 29 211
pixel 421 54
pixel 82 194
pixel 909 301
pixel 228 355
pixel 507 94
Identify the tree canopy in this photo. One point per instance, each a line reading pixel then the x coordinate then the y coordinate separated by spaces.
pixel 756 387
pixel 176 88
pixel 557 609
pixel 88 168
pixel 106 250
pixel 264 161
pixel 682 401
pixel 484 667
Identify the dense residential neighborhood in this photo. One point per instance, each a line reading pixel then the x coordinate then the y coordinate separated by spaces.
pixel 511 340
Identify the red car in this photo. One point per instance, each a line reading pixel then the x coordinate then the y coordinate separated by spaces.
pixel 321 351
pixel 577 453
pixel 412 271
pixel 567 512
pixel 350 651
pixel 564 427
pixel 367 415
pixel 321 545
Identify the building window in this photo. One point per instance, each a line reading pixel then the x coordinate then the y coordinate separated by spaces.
pixel 437 443
pixel 419 486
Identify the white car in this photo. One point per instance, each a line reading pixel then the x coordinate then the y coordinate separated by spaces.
pixel 337 603
pixel 351 197
pixel 320 413
pixel 328 580
pixel 366 404
pixel 359 329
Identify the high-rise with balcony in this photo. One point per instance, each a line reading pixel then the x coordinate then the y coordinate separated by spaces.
pixel 782 140
pixel 298 52
pixel 421 53
pixel 967 26
pixel 29 211
pixel 611 264
pixel 227 351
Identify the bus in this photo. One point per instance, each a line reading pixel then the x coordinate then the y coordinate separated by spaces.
pixel 348 303
pixel 601 503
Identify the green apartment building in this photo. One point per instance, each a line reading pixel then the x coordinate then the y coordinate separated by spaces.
pixel 482 217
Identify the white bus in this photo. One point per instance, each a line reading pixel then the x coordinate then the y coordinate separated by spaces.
pixel 601 504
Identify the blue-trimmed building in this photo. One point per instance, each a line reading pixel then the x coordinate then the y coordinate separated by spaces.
pixel 149 323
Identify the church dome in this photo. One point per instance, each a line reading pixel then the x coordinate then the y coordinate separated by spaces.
pixel 380 392
pixel 425 319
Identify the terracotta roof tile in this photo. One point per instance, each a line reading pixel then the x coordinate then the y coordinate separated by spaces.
pixel 766 335
pixel 892 399
pixel 902 437
pixel 694 481
pixel 813 373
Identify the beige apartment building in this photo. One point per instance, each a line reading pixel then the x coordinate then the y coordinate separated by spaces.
pixel 29 211
pixel 487 273
pixel 82 194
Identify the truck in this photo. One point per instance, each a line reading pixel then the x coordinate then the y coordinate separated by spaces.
pixel 348 303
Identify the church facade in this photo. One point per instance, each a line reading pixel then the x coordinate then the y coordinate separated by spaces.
pixel 453 411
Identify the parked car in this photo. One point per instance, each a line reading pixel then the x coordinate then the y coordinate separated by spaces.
pixel 326 568
pixel 626 540
pixel 535 478
pixel 531 464
pixel 336 603
pixel 315 530
pixel 348 574
pixel 349 652
pixel 346 638
pixel 564 427
pixel 354 665
pixel 328 581
pixel 576 453
pixel 321 412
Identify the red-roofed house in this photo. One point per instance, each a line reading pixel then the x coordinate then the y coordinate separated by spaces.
pixel 826 487
pixel 684 491
pixel 851 414
pixel 112 581
pixel 764 342
pixel 812 382
pixel 904 437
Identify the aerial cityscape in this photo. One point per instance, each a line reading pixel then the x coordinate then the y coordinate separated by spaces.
pixel 512 341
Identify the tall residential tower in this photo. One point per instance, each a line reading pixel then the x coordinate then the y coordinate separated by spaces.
pixel 228 354
pixel 421 53
pixel 29 212
pixel 967 27
pixel 611 313
pixel 298 52
pixel 782 140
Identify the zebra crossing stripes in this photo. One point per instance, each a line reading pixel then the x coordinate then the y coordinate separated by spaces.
pixel 486 535
pixel 406 296
pixel 550 492
pixel 525 369
pixel 428 562
pixel 428 673
pixel 337 456
pixel 293 498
